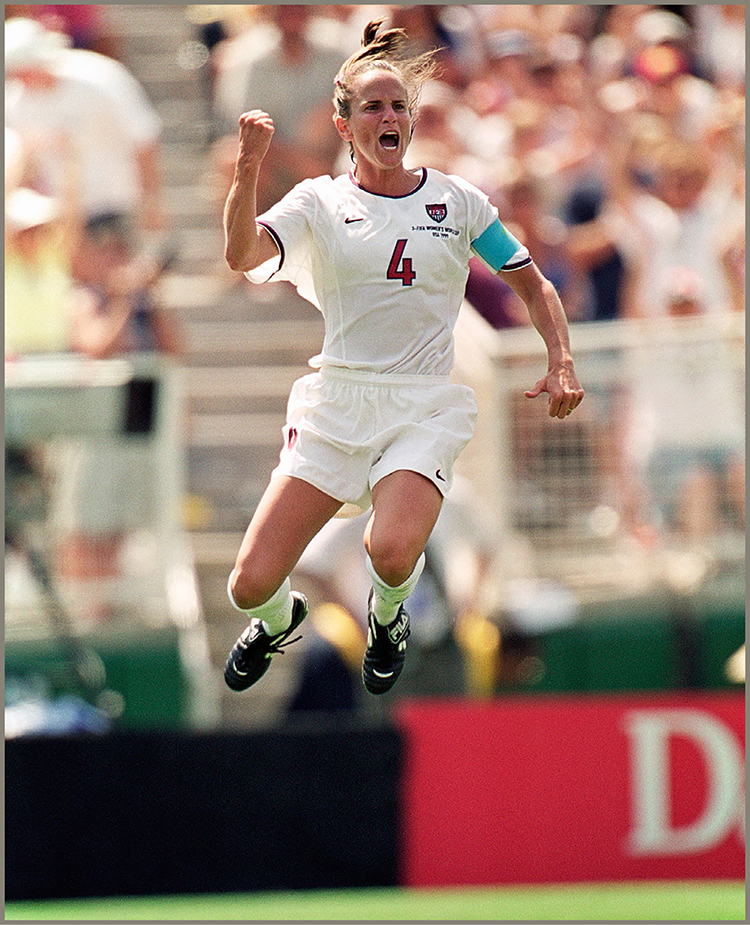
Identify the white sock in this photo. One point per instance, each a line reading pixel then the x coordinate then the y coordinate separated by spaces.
pixel 385 599
pixel 276 613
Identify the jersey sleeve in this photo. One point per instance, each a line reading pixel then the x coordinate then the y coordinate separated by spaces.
pixel 266 271
pixel 499 250
pixel 289 223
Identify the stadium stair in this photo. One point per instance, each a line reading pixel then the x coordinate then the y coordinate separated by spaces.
pixel 243 347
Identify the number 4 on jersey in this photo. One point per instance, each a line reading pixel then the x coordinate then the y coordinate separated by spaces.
pixel 400 266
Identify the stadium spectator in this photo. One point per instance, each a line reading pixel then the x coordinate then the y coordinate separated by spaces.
pixel 83 23
pixel 659 78
pixel 114 309
pixel 38 279
pixel 443 31
pixel 328 676
pixel 81 110
pixel 681 222
pixel 492 299
pixel 282 65
pixel 688 460
pixel 595 257
pixel 720 44
pixel 114 312
pixel 521 199
pixel 332 572
pixel 530 219
pixel 15 161
pixel 505 76
pixel 438 140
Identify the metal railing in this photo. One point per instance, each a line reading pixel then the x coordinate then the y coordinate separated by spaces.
pixel 642 487
pixel 95 483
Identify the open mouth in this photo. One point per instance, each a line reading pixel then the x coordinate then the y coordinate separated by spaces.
pixel 389 140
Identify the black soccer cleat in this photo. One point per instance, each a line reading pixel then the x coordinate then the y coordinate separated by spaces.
pixel 251 654
pixel 386 651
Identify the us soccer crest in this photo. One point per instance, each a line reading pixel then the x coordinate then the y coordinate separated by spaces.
pixel 437 211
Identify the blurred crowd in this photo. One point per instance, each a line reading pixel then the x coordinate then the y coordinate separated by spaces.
pixel 85 226
pixel 611 137
pixel 86 241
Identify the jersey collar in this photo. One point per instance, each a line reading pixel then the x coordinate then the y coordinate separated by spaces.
pixel 384 195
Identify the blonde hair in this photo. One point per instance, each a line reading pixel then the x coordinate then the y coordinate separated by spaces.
pixel 388 51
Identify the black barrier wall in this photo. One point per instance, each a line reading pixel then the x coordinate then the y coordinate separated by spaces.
pixel 141 814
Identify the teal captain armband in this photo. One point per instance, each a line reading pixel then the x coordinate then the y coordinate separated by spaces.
pixel 496 247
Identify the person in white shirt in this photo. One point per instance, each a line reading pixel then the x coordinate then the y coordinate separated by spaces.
pixel 86 123
pixel 383 252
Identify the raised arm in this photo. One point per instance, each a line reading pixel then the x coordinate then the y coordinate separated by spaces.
pixel 548 317
pixel 247 244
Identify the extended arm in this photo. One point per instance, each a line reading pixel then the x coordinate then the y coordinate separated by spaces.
pixel 548 317
pixel 247 244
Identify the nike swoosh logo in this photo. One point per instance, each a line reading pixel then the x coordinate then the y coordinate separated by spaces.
pixel 348 221
pixel 439 476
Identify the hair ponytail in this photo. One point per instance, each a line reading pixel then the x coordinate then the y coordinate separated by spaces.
pixel 389 51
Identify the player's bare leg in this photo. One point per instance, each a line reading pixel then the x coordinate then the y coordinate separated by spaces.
pixel 290 513
pixel 288 516
pixel 405 507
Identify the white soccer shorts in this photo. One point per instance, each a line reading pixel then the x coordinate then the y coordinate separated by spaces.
pixel 346 430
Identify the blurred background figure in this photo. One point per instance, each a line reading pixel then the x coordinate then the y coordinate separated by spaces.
pixel 81 22
pixel 454 32
pixel 283 63
pixel 115 312
pixel 334 577
pixel 439 140
pixel 680 218
pixel 85 124
pixel 524 204
pixel 38 275
pixel 720 44
pixel 690 460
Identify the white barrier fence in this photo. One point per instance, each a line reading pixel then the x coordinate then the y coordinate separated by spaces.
pixel 643 486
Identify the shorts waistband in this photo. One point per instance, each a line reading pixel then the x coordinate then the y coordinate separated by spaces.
pixel 386 380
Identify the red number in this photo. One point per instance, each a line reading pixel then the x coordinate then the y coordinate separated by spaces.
pixel 403 272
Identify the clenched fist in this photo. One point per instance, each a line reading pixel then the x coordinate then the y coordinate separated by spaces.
pixel 256 132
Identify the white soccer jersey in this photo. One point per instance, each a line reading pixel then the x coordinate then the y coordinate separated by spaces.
pixel 387 273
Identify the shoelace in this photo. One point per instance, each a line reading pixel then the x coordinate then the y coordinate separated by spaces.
pixel 278 646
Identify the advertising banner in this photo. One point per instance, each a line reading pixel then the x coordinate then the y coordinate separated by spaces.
pixel 573 788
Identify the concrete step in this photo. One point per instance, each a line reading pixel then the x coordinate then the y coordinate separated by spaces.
pixel 202 247
pixel 242 429
pixel 147 22
pixel 214 549
pixel 245 345
pixel 188 209
pixel 184 165
pixel 223 390
pixel 253 342
pixel 226 482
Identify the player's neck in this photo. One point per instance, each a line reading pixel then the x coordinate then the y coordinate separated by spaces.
pixel 397 182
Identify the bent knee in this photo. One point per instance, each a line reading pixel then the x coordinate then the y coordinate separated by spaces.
pixel 250 588
pixel 393 561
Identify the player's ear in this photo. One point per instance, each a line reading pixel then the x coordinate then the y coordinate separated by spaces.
pixel 342 127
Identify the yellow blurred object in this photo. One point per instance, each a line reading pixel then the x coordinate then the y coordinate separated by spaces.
pixel 735 667
pixel 337 626
pixel 479 638
pixel 197 512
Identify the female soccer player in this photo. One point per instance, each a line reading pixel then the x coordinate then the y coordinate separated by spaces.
pixel 383 252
